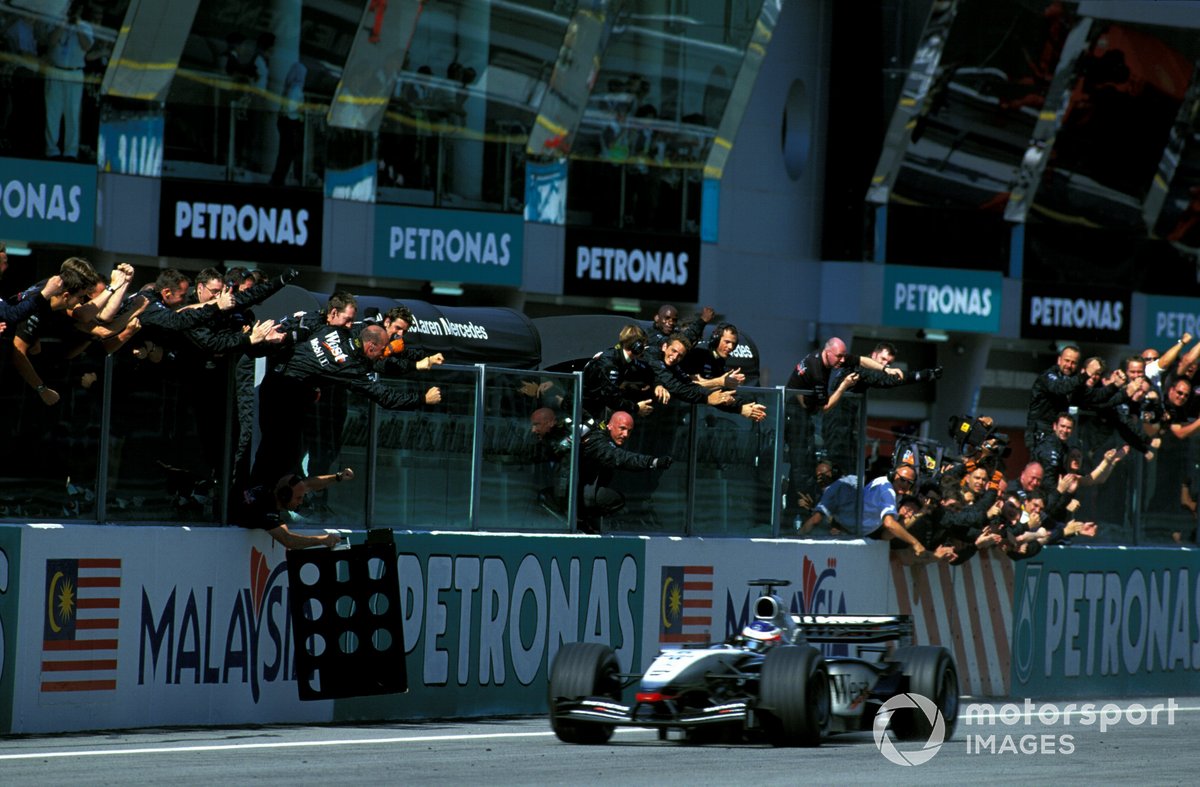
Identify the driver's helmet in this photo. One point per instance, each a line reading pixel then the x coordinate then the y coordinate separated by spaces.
pixel 761 634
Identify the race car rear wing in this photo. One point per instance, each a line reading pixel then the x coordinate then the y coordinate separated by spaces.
pixel 854 628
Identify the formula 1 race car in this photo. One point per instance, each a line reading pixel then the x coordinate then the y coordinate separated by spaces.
pixel 768 682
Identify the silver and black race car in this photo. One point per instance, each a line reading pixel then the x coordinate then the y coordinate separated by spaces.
pixel 767 682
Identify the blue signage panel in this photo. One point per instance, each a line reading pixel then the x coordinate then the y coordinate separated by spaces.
pixel 946 299
pixel 226 221
pixel 1106 622
pixel 1168 318
pixel 131 144
pixel 448 245
pixel 546 192
pixel 48 201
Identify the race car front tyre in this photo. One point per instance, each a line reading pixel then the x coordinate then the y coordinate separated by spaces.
pixel 931 673
pixel 582 669
pixel 793 702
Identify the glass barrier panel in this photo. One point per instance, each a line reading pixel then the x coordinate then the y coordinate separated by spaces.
pixel 1111 504
pixel 168 437
pixel 1168 493
pixel 803 447
pixel 48 471
pixel 336 434
pixel 424 458
pixel 735 470
pixel 656 500
pixel 526 469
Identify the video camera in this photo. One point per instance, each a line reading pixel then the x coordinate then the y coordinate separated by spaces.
pixel 971 435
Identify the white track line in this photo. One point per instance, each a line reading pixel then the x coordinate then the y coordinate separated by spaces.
pixel 285 744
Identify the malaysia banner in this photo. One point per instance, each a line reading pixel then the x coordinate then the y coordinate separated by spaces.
pixel 79 639
pixel 686 605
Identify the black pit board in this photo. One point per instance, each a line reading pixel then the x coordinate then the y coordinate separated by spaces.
pixel 347 623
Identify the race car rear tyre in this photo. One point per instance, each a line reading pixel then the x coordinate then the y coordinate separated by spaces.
pixel 582 669
pixel 793 701
pixel 931 673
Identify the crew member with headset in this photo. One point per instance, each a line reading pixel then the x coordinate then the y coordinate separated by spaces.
pixel 620 378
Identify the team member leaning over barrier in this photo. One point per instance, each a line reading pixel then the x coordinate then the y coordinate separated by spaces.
pixel 601 452
pixel 271 507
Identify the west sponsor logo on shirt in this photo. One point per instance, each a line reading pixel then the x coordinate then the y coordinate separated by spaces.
pixel 328 348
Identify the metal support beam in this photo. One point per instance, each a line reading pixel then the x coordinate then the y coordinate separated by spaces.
pixel 1058 100
pixel 913 103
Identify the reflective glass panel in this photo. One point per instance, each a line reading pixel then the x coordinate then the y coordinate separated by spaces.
pixel 52 59
pixel 465 101
pixel 423 465
pixel 661 92
pixel 526 471
pixel 735 469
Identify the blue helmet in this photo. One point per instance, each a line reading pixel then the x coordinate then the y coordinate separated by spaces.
pixel 762 634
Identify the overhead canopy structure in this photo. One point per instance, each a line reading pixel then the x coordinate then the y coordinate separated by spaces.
pixel 492 335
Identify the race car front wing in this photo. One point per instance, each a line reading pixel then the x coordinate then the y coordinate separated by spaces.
pixel 658 713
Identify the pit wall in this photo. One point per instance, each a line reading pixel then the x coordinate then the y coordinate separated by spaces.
pixel 116 627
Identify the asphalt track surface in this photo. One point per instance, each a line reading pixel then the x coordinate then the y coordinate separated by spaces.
pixel 1112 748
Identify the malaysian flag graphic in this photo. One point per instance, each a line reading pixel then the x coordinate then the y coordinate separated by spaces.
pixel 686 605
pixel 79 639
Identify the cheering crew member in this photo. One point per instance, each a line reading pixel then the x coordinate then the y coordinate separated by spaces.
pixel 270 508
pixel 679 386
pixel 706 364
pixel 601 453
pixel 666 326
pixel 287 393
pixel 620 378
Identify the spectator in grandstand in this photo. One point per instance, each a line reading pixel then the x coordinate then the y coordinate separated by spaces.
pixel 601 452
pixel 271 507
pixel 620 378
